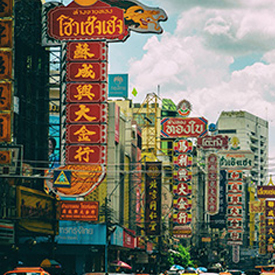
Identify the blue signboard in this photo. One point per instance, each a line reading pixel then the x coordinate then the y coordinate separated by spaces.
pixel 117 236
pixel 118 85
pixel 72 232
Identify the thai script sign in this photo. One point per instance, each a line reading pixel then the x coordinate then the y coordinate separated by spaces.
pixel 266 192
pixel 236 160
pixel 78 210
pixel 153 198
pixel 212 142
pixel 118 85
pixel 184 127
pixel 77 22
pixel 256 207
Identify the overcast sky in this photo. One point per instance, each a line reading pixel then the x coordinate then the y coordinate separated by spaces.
pixel 218 55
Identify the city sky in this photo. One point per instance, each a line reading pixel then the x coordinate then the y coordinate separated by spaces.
pixel 218 55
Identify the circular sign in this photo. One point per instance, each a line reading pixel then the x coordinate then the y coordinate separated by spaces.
pixel 85 2
pixel 184 108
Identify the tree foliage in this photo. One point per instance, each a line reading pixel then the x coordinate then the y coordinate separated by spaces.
pixel 182 258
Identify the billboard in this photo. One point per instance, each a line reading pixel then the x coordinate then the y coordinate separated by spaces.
pixel 118 85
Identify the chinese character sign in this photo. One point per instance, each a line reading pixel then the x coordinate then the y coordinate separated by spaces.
pixel 153 198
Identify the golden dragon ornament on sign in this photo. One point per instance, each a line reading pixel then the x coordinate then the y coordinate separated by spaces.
pixel 138 17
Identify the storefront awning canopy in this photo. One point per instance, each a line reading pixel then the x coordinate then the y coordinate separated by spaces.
pixel 46 263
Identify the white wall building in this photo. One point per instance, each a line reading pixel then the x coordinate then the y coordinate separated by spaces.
pixel 247 132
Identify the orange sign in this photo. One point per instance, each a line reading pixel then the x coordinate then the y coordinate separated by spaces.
pixel 5 65
pixel 5 127
pixel 5 157
pixel 5 96
pixel 79 210
pixel 6 8
pixel 6 33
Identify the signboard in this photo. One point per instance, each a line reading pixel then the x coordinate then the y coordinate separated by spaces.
pixel 118 85
pixel 5 127
pixel 5 95
pixel 266 192
pixel 153 198
pixel 79 210
pixel 86 71
pixel 236 160
pixel 90 154
pixel 183 127
pixel 6 65
pixel 92 51
pixel 183 146
pixel 182 189
pixel 87 133
pixel 217 142
pixel 36 211
pixel 6 8
pixel 6 32
pixel 212 185
pixel 11 159
pixel 86 92
pixel 62 178
pixel 84 179
pixel 87 113
pixel 76 22
pixel 180 231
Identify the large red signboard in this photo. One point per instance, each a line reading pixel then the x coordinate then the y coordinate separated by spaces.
pixel 87 133
pixel 77 22
pixel 86 92
pixel 87 71
pixel 184 127
pixel 88 113
pixel 92 154
pixel 83 51
pixel 213 142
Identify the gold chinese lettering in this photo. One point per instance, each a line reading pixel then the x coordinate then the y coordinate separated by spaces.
pixel 83 154
pixel 86 71
pixel 82 51
pixel 83 134
pixel 83 113
pixel 84 90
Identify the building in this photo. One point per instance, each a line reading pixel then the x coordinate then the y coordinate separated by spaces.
pixel 247 132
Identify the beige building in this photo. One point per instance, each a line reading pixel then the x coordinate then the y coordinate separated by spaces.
pixel 247 132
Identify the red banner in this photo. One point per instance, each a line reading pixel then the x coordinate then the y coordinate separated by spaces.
pixel 184 127
pixel 86 133
pixel 87 71
pixel 86 92
pixel 86 51
pixel 93 154
pixel 87 113
pixel 78 22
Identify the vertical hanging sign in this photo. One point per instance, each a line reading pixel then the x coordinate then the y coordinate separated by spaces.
pixel 153 198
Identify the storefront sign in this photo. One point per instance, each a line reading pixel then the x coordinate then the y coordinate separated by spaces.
pixel 90 154
pixel 5 95
pixel 266 192
pixel 6 8
pixel 6 232
pixel 87 133
pixel 78 22
pixel 6 33
pixel 87 113
pixel 184 127
pixel 87 71
pixel 79 210
pixel 118 85
pixel 183 146
pixel 5 127
pixel 153 198
pixel 86 92
pixel 212 142
pixel 129 238
pixel 84 51
pixel 5 65
pixel 212 185
pixel 236 160
pixel 36 211
pixel 75 232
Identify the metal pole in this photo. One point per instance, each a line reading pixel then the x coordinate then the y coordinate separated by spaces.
pixel 107 238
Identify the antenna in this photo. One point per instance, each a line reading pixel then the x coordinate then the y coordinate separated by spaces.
pixel 158 90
